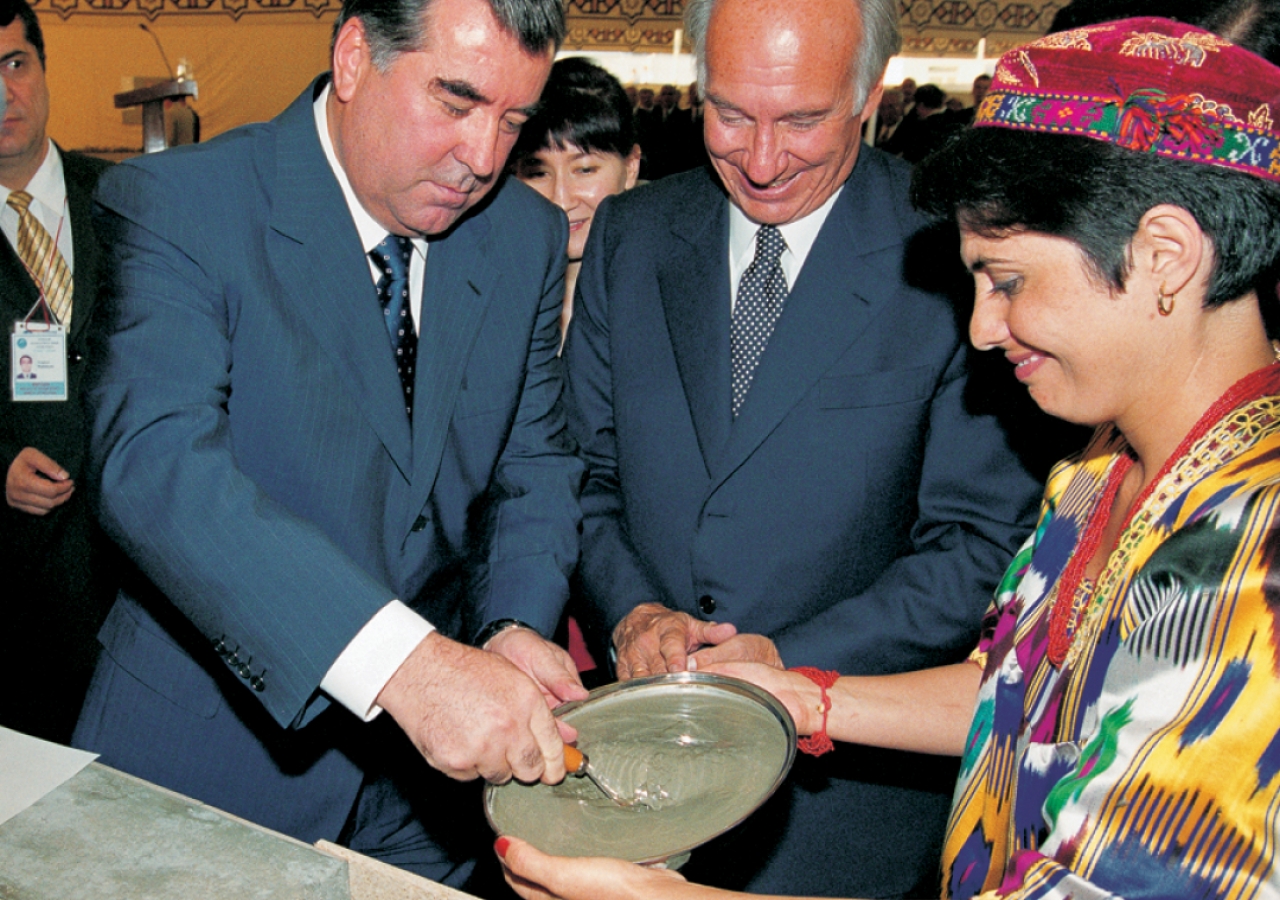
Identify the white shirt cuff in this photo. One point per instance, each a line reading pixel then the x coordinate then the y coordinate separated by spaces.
pixel 363 669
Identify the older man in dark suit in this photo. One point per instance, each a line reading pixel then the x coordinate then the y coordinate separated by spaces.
pixel 328 431
pixel 53 560
pixel 778 435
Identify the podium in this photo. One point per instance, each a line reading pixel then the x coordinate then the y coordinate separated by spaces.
pixel 151 99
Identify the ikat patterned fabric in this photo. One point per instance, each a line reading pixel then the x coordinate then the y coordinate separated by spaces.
pixel 1148 764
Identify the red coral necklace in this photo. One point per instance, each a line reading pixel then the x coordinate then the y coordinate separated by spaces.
pixel 1063 624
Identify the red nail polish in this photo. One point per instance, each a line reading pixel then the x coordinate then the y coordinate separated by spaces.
pixel 500 846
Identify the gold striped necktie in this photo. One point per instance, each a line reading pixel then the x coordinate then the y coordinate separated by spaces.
pixel 36 249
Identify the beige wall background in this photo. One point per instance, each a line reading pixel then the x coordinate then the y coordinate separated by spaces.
pixel 247 71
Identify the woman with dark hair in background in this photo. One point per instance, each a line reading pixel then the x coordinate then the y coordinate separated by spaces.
pixel 579 148
pixel 1118 201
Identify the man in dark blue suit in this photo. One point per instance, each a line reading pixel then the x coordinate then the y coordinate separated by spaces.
pixel 778 434
pixel 324 529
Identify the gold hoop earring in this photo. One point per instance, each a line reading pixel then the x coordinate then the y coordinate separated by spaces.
pixel 1161 296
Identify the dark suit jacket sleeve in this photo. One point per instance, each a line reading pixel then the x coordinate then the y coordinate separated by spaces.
pixel 613 573
pixel 534 545
pixel 228 556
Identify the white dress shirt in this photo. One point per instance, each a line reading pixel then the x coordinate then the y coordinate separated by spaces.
pixel 799 236
pixel 366 664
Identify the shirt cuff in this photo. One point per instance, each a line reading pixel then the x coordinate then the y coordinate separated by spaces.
pixel 363 669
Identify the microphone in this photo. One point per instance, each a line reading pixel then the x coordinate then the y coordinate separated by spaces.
pixel 143 26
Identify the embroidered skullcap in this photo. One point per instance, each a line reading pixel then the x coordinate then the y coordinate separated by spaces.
pixel 1148 84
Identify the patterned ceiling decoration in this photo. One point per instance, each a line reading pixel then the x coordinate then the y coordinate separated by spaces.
pixel 953 27
pixel 154 9
pixel 929 27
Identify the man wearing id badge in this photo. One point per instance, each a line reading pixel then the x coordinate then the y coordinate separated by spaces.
pixel 50 550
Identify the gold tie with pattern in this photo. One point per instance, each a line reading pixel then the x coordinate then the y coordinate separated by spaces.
pixel 37 251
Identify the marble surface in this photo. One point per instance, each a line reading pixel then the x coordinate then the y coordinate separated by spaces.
pixel 108 836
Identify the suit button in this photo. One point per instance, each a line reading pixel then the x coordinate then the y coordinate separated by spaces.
pixel 75 356
pixel 257 683
pixel 243 671
pixel 419 523
pixel 707 604
pixel 233 660
pixel 219 647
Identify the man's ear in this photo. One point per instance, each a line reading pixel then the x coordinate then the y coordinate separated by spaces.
pixel 873 100
pixel 1172 247
pixel 351 58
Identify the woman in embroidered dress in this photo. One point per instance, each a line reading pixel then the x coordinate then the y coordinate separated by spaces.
pixel 1119 721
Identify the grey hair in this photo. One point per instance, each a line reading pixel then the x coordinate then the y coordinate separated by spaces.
pixel 393 27
pixel 880 41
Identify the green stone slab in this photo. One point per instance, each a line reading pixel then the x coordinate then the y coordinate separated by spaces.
pixel 105 835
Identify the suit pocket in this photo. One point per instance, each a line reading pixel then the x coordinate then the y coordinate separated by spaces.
pixel 477 403
pixel 876 389
pixel 129 638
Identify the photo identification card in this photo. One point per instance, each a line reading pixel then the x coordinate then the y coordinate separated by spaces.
pixel 38 363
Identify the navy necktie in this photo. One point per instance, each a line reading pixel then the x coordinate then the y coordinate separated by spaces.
pixel 761 293
pixel 392 257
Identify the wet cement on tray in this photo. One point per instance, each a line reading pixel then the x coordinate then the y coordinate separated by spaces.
pixel 698 762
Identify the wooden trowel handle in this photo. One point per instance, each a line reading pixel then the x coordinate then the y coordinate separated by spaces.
pixel 574 760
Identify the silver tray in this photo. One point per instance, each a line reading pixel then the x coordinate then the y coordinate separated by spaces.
pixel 700 752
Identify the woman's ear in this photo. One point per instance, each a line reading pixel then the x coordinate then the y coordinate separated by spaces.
pixel 632 162
pixel 1171 248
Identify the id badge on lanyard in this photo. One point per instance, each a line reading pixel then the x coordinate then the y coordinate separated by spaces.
pixel 38 350
pixel 38 358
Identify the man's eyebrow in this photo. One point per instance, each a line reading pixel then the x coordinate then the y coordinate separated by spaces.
pixel 465 90
pixel 794 116
pixel 11 54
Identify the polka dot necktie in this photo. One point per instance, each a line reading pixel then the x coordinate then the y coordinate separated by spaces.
pixel 392 258
pixel 761 293
pixel 36 250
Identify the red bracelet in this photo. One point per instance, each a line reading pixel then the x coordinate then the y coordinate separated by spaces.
pixel 819 742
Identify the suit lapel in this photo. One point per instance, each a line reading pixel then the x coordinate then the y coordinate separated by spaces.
pixel 312 229
pixel 19 291
pixel 831 305
pixel 80 181
pixel 456 291
pixel 694 286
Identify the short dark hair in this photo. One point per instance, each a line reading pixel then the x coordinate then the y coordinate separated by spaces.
pixel 582 106
pixel 996 181
pixel 930 95
pixel 393 27
pixel 1251 24
pixel 19 9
